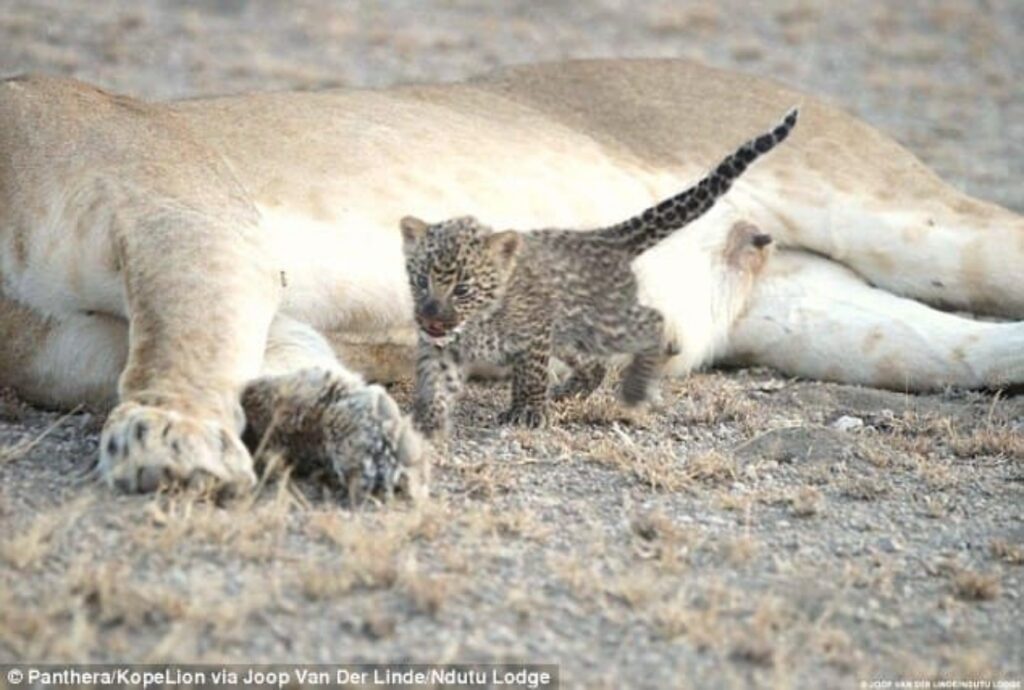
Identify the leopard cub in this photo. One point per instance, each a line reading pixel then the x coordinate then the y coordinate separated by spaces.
pixel 517 299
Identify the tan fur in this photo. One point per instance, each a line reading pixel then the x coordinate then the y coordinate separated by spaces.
pixel 196 222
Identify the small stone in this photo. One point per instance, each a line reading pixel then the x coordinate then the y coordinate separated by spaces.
pixel 848 423
pixel 889 545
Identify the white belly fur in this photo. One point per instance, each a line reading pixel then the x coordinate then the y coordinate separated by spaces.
pixel 344 268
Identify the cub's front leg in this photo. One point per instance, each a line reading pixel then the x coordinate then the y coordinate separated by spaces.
pixel 439 378
pixel 529 385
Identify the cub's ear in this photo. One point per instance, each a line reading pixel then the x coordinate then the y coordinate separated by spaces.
pixel 413 230
pixel 504 246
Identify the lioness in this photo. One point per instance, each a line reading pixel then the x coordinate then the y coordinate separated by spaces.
pixel 175 259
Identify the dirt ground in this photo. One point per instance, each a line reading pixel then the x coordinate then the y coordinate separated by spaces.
pixel 754 531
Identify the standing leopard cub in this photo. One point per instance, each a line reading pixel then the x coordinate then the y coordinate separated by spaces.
pixel 516 299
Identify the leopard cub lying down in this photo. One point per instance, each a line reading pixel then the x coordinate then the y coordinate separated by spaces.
pixel 517 299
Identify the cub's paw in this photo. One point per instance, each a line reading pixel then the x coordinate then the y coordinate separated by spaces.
pixel 373 447
pixel 639 388
pixel 523 415
pixel 143 448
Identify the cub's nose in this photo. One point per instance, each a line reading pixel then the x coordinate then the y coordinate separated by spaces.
pixel 761 240
pixel 431 310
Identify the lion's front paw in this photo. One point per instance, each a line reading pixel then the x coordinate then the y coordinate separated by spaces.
pixel 373 446
pixel 143 448
pixel 524 415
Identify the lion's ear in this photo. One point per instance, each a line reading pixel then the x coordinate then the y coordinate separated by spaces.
pixel 504 246
pixel 413 230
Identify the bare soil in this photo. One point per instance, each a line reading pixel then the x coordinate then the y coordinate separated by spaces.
pixel 752 531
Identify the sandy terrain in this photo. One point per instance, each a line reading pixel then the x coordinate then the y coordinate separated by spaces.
pixel 754 531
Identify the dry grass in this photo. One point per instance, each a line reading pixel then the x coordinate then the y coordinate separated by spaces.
pixel 377 551
pixel 657 569
pixel 29 548
pixel 753 649
pixel 974 586
pixel 111 596
pixel 712 468
pixel 921 434
pixel 706 401
pixel 23 448
pixel 500 524
pixel 837 648
pixel 865 488
pixel 578 574
pixel 1007 552
pixel 656 538
pixel 697 19
pixel 637 587
pixel 107 604
pixel 486 480
pixel 740 550
pixel 371 547
pixel 427 593
pixel 807 501
pixel 988 441
pixel 252 529
pixel 679 616
pixel 601 408
pixel 658 468
pixel 662 467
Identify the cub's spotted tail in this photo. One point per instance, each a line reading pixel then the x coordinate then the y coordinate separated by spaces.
pixel 642 232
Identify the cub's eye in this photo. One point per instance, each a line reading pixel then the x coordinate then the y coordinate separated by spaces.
pixel 422 281
pixel 461 290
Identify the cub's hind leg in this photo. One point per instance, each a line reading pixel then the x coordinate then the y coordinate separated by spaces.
pixel 645 338
pixel 321 415
pixel 625 327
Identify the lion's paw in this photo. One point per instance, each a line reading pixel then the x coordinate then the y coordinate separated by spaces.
pixel 374 447
pixel 143 448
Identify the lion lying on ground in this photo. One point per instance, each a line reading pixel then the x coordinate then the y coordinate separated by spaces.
pixel 181 261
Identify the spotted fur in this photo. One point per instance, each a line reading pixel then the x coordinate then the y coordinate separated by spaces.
pixel 516 299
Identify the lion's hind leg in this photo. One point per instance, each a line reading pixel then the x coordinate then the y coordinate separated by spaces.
pixel 939 246
pixel 813 318
pixel 322 416
pixel 61 362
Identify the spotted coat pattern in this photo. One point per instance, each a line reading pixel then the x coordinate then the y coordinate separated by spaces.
pixel 515 299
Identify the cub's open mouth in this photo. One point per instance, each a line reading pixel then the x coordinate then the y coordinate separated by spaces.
pixel 435 329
